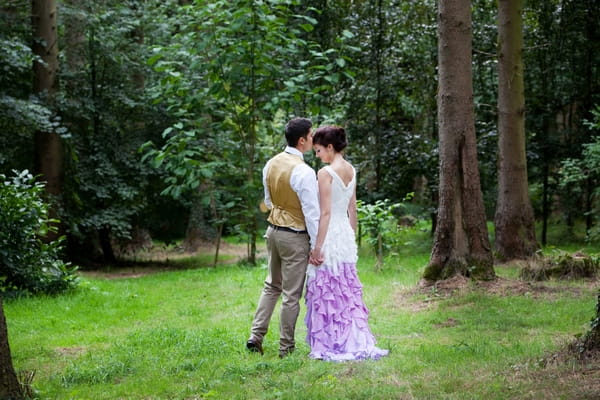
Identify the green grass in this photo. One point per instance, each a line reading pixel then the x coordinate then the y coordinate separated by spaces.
pixel 180 335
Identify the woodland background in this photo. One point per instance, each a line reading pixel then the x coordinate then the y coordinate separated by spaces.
pixel 152 119
pixel 129 123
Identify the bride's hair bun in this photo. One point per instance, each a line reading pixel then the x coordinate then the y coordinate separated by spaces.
pixel 331 135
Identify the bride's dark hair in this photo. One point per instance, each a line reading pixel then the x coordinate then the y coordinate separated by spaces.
pixel 331 135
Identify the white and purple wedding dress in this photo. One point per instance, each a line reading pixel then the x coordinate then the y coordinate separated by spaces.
pixel 336 316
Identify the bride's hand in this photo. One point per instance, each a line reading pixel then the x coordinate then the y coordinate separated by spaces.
pixel 316 257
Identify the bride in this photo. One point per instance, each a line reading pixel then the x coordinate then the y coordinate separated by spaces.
pixel 336 317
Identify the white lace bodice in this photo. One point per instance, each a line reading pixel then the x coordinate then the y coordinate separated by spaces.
pixel 340 241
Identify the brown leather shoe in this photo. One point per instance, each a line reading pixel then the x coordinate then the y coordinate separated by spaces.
pixel 254 346
pixel 284 353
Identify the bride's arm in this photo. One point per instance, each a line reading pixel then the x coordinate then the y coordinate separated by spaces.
pixel 352 211
pixel 325 181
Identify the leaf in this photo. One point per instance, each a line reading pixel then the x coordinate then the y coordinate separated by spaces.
pixel 152 60
pixel 347 34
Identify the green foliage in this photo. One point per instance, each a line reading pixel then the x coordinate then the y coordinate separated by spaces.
pixel 27 264
pixel 219 78
pixel 187 160
pixel 379 221
pixel 20 113
pixel 108 194
pixel 576 173
pixel 107 188
pixel 229 83
pixel 390 113
pixel 560 93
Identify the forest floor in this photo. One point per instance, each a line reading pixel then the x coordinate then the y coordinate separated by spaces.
pixel 570 367
pixel 573 372
pixel 162 258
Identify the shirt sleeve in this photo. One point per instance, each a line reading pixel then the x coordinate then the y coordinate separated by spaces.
pixel 268 202
pixel 304 182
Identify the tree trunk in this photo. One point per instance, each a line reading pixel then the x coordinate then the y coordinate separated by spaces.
pixel 108 253
pixel 197 230
pixel 75 41
pixel 592 338
pixel 545 190
pixel 138 77
pixel 515 227
pixel 461 244
pixel 218 244
pixel 48 145
pixel 74 63
pixel 194 235
pixel 10 388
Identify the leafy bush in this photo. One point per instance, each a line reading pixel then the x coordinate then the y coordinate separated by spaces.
pixel 576 172
pixel 27 264
pixel 380 222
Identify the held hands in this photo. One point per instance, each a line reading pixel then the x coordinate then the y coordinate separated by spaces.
pixel 316 256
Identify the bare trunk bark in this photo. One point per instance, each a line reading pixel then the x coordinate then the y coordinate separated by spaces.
pixel 461 244
pixel 48 145
pixel 10 388
pixel 515 227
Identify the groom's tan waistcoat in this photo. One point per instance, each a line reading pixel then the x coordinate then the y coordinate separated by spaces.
pixel 287 210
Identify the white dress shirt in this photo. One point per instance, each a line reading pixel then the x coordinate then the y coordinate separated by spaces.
pixel 303 181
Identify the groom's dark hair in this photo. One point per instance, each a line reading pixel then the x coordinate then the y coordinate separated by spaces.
pixel 295 129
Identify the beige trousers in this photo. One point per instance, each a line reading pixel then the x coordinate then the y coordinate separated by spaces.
pixel 288 259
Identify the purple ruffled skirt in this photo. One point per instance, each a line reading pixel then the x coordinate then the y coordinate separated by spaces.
pixel 337 318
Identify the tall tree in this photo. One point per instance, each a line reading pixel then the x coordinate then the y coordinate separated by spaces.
pixel 561 91
pixel 390 104
pixel 9 384
pixel 461 244
pixel 515 225
pixel 48 144
pixel 75 41
pixel 108 116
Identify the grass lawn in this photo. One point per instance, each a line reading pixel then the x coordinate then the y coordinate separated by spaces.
pixel 180 334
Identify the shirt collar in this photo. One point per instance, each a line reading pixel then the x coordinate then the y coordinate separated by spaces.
pixel 294 151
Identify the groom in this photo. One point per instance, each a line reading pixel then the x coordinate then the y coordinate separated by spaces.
pixel 291 193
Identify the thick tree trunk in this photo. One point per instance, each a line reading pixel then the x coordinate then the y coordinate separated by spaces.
pixel 515 227
pixel 461 244
pixel 48 145
pixel 10 388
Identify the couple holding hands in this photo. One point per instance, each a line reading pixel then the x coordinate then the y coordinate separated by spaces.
pixel 311 238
